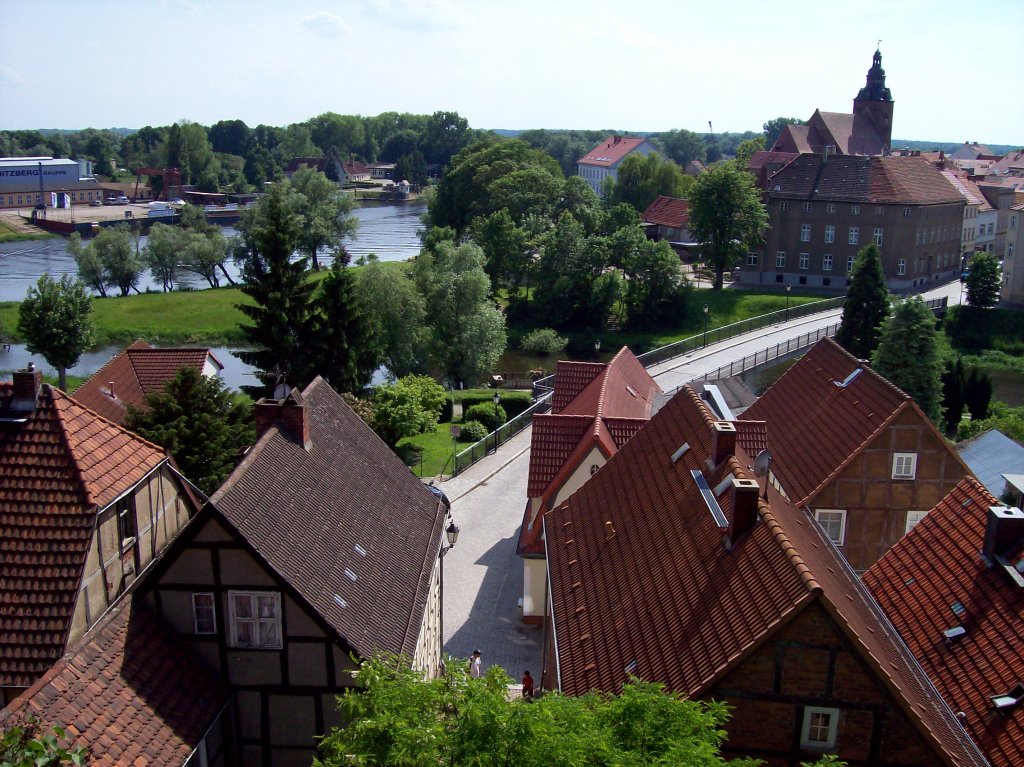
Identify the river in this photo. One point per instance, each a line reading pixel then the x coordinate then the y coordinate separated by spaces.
pixel 391 230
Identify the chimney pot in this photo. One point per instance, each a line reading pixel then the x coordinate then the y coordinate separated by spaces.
pixel 745 499
pixel 609 530
pixel 723 441
pixel 110 386
pixel 26 388
pixel 289 412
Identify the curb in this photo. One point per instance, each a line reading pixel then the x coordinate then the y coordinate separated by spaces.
pixel 479 482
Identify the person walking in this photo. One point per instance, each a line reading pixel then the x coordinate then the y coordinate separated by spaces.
pixel 527 686
pixel 476 665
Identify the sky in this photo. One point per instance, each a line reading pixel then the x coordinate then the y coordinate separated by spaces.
pixel 954 68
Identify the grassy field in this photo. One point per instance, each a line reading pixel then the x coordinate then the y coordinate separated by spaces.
pixel 9 234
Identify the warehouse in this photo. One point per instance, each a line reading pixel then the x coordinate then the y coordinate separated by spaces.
pixel 20 181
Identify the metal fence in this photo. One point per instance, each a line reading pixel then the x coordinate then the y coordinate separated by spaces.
pixel 502 434
pixel 725 332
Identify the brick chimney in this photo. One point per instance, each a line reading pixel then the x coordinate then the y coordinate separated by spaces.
pixel 723 442
pixel 26 388
pixel 1004 527
pixel 289 414
pixel 745 494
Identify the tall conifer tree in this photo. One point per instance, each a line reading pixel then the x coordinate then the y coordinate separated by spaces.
pixel 867 305
pixel 908 354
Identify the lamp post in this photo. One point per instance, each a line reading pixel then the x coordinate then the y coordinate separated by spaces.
pixel 497 399
pixel 451 532
pixel 789 287
pixel 707 310
pixel 597 345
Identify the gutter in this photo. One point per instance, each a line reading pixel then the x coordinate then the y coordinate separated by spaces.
pixel 551 605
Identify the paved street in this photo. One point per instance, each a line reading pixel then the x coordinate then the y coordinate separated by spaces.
pixel 483 577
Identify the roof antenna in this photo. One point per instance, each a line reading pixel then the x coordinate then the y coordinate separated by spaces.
pixel 762 467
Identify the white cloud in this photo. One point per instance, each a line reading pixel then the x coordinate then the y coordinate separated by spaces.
pixel 11 76
pixel 324 24
pixel 417 15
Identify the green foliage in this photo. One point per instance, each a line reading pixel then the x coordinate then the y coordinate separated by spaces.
pixel 326 215
pixel 472 431
pixel 163 253
pixel 202 424
pixel 543 342
pixel 1008 420
pixel 983 281
pixel 773 128
pixel 398 313
pixel 971 330
pixel 407 407
pixel 26 745
pixel 908 354
pixel 54 319
pixel 108 261
pixel 726 216
pixel 977 393
pixel 490 415
pixel 400 719
pixel 747 149
pixel 682 146
pixel 506 250
pixel 204 253
pixel 655 291
pixel 866 307
pixel 953 380
pixel 641 178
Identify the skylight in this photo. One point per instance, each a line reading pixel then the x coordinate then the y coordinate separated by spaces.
pixel 709 498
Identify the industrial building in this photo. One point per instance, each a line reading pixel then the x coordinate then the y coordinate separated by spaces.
pixel 27 181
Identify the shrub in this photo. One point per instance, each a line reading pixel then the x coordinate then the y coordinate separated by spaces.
pixel 472 431
pixel 513 401
pixel 485 414
pixel 544 342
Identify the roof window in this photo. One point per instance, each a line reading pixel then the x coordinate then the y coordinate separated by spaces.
pixel 1008 700
pixel 680 452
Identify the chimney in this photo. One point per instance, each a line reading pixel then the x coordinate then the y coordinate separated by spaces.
pixel 723 441
pixel 616 140
pixel 110 388
pixel 745 496
pixel 289 414
pixel 1004 528
pixel 26 387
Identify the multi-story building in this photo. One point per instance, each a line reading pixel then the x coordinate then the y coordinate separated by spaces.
pixel 604 160
pixel 1013 261
pixel 978 215
pixel 823 209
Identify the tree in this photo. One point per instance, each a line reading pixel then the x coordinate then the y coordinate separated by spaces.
pixel 202 424
pixel 409 406
pixel 399 718
pixel 773 129
pixel 682 146
pixel 983 281
pixel 866 307
pixel 349 351
pixel 398 312
pixel 953 381
pixel 655 291
pixel 977 393
pixel 1008 420
pixel 747 149
pixel 230 136
pixel 163 253
pixel 25 745
pixel 55 321
pixel 108 261
pixel 505 250
pixel 908 354
pixel 204 254
pixel 726 216
pixel 641 178
pixel 326 215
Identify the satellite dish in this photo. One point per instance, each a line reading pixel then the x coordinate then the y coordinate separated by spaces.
pixel 762 463
pixel 281 391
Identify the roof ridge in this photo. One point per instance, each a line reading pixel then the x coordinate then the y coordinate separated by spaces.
pixel 776 529
pixel 66 437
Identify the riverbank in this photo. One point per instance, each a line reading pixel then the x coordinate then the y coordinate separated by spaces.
pixel 12 229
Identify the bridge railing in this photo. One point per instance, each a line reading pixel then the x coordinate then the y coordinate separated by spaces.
pixel 502 434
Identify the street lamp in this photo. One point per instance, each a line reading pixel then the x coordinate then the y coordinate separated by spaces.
pixel 497 399
pixel 707 309
pixel 597 345
pixel 452 534
pixel 789 287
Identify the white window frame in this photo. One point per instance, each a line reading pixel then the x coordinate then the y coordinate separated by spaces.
pixel 913 517
pixel 805 260
pixel 855 210
pixel 819 513
pixel 901 267
pixel 780 259
pixel 853 238
pixel 808 207
pixel 830 234
pixel 830 735
pixel 878 234
pixel 751 259
pixel 805 232
pixel 236 621
pixel 826 262
pixel 900 464
pixel 202 608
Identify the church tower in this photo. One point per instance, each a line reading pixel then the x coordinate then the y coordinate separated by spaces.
pixel 874 102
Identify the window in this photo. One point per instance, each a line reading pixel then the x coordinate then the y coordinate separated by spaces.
pixel 879 210
pixel 751 259
pixel 855 210
pixel 1009 250
pixel 204 616
pixel 913 517
pixel 805 232
pixel 826 262
pixel 826 281
pixel 830 234
pixel 854 237
pixel 255 619
pixel 831 207
pixel 784 206
pixel 805 260
pixel 849 263
pixel 901 266
pixel 780 259
pixel 906 213
pixel 878 236
pixel 808 207
pixel 833 522
pixel 904 465
pixel 819 727
pixel 802 280
pixel 125 521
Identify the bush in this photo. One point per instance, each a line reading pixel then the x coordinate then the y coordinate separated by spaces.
pixel 513 401
pixel 472 431
pixel 485 414
pixel 544 342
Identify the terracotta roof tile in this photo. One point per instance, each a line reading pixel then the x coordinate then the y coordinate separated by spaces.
pixel 815 426
pixel 667 211
pixel 311 513
pixel 611 151
pixel 664 599
pixel 570 379
pixel 56 470
pixel 920 580
pixel 553 440
pixel 129 691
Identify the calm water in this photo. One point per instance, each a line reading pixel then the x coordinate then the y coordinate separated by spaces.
pixel 389 230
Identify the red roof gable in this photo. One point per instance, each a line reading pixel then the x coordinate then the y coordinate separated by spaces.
pixel 934 579
pixel 611 151
pixel 129 693
pixel 816 426
pixel 57 469
pixel 668 211
pixel 570 379
pixel 642 584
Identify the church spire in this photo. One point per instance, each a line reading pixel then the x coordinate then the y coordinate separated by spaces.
pixel 874 89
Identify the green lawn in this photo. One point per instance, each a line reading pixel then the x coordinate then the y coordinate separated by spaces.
pixel 427 454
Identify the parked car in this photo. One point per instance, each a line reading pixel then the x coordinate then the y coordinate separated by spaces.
pixel 95 203
pixel 122 200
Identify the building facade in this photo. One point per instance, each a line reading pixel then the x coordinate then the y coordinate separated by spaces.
pixel 603 161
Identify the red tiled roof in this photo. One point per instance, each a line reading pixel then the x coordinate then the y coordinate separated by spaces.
pixel 57 469
pixel 129 693
pixel 918 582
pixel 752 436
pixel 967 189
pixel 311 513
pixel 317 163
pixel 667 211
pixel 137 371
pixel 664 599
pixel 570 379
pixel 909 180
pixel 611 151
pixel 815 426
pixel 552 442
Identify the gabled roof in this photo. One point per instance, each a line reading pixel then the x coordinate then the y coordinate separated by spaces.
pixel 641 582
pixel 909 180
pixel 312 513
pixel 570 379
pixel 317 163
pixel 57 469
pixel 990 455
pixel 967 189
pixel 612 151
pixel 137 371
pixel 934 579
pixel 129 693
pixel 816 426
pixel 667 211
